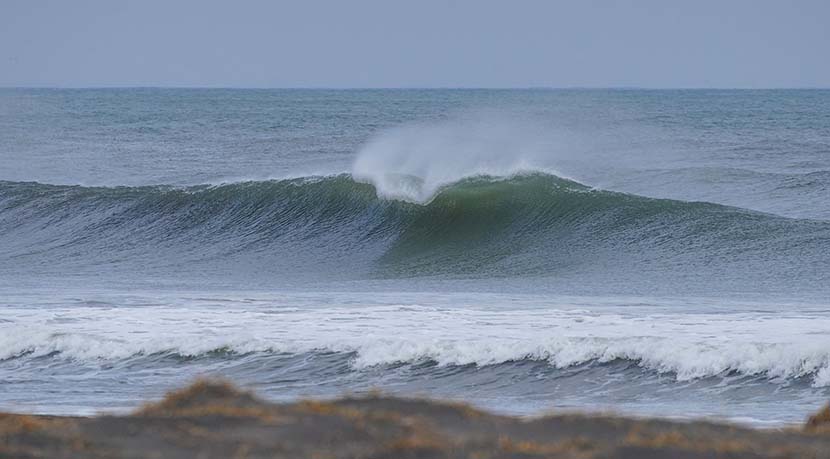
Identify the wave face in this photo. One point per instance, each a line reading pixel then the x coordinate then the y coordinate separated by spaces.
pixel 527 225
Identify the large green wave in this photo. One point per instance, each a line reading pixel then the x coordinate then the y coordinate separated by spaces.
pixel 530 224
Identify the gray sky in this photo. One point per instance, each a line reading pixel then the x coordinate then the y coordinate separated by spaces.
pixel 423 43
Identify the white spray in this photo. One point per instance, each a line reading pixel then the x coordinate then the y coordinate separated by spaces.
pixel 413 162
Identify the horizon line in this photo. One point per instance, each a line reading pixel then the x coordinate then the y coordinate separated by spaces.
pixel 359 88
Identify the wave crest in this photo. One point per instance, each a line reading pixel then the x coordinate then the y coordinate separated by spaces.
pixel 415 162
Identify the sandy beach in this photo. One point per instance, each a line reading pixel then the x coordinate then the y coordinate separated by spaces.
pixel 213 419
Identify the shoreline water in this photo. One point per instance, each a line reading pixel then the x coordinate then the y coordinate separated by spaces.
pixel 757 364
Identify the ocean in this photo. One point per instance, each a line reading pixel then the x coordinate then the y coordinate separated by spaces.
pixel 646 252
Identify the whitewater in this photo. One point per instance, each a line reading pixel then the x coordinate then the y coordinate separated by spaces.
pixel 649 252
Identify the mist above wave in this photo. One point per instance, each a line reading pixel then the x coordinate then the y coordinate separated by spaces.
pixel 414 162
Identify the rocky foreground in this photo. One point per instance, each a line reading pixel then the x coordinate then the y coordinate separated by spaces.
pixel 215 420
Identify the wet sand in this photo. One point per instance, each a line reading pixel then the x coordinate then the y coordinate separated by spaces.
pixel 216 420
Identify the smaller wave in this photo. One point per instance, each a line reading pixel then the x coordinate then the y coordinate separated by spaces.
pixel 684 363
pixel 686 346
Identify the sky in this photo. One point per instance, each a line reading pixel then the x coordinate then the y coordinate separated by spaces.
pixel 423 43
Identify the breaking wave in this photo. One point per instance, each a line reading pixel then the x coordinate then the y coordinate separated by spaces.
pixel 525 224
pixel 560 340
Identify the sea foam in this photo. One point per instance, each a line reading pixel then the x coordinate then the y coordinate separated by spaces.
pixel 686 346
